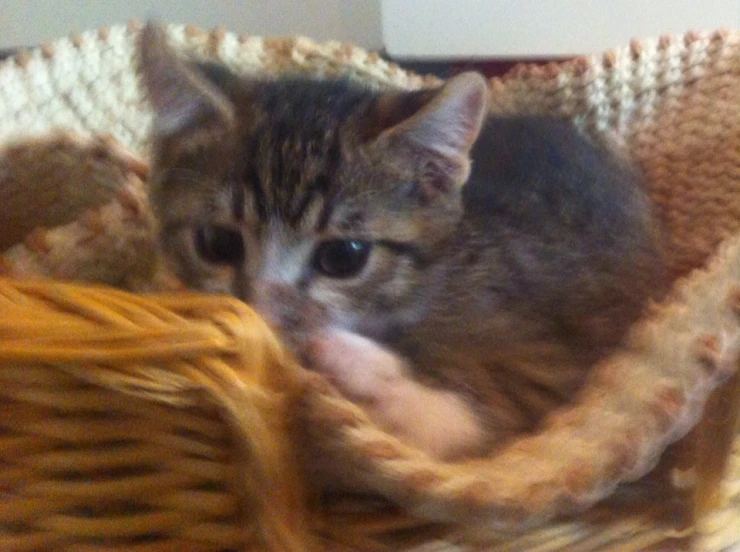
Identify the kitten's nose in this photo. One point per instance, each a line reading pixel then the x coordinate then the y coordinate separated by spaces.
pixel 271 300
pixel 287 309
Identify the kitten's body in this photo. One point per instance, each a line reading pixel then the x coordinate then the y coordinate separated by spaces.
pixel 478 308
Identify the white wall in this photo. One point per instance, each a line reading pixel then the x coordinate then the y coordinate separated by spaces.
pixel 410 28
pixel 541 28
pixel 30 22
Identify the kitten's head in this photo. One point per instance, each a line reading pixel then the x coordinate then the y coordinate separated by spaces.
pixel 307 195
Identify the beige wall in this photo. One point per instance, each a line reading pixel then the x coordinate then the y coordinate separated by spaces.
pixel 29 22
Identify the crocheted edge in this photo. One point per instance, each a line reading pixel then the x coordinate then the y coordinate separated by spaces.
pixel 225 45
pixel 112 244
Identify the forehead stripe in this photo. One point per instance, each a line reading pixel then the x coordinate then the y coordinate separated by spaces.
pixel 322 221
pixel 301 209
pixel 237 199
pixel 252 180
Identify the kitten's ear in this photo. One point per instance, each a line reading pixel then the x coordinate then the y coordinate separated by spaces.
pixel 182 99
pixel 441 133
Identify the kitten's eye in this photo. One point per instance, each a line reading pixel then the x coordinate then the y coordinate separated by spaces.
pixel 219 245
pixel 341 258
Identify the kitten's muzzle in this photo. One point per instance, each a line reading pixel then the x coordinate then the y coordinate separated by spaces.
pixel 295 317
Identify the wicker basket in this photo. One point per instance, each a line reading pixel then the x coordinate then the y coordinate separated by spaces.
pixel 176 421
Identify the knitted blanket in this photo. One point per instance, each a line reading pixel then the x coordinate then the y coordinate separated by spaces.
pixel 73 207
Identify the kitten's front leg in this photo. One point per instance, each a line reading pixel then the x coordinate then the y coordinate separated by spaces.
pixel 440 422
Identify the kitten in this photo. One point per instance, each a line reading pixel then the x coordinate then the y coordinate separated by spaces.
pixel 454 273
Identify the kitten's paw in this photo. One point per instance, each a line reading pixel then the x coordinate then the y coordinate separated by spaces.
pixel 438 421
pixel 359 367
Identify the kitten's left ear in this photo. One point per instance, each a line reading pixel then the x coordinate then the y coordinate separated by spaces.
pixel 440 135
pixel 182 99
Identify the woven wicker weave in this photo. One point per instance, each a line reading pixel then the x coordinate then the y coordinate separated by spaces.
pixel 177 423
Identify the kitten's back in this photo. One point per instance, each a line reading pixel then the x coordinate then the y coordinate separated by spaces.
pixel 567 222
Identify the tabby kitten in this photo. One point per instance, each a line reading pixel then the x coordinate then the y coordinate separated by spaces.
pixel 454 273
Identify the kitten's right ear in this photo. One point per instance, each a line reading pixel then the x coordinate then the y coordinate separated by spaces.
pixel 181 98
pixel 439 135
